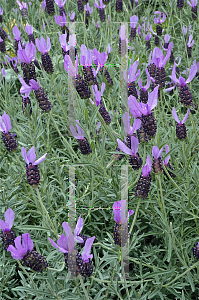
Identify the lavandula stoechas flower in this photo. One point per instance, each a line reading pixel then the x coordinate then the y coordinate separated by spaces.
pixel 181 131
pixel 61 3
pixel 13 63
pixel 80 5
pixel 80 85
pixel 131 78
pixel 100 59
pixel 25 252
pixel 45 57
pixel 26 56
pixel 24 10
pixel 87 269
pixel 67 47
pixel 122 41
pixel 143 111
pixel 1 13
pixel 144 181
pixel 41 96
pixel 193 5
pixel 133 23
pixel 7 137
pixel 147 39
pixel 103 112
pixel 119 5
pixel 2 45
pixel 17 37
pixel 180 4
pixel 101 10
pixel 3 34
pixel 7 234
pixel 157 160
pixel 120 233
pixel 32 170
pixel 143 92
pixel 50 9
pixel 185 94
pixel 167 164
pixel 196 250
pixel 72 16
pixel 159 22
pixel 29 31
pixel 189 45
pixel 86 61
pixel 61 21
pixel 88 11
pixel 26 103
pixel 130 130
pixel 84 145
pixel 135 160
pixel 160 61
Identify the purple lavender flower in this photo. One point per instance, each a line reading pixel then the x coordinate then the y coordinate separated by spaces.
pixel 50 9
pixel 86 61
pixel 7 234
pixel 88 11
pixel 7 137
pixel 180 4
pixel 86 257
pixel 61 3
pixel 193 5
pixel 1 13
pixel 45 57
pixel 132 76
pixel 72 16
pixel 24 9
pixel 189 45
pixel 147 39
pixel 16 33
pixel 185 94
pixel 160 61
pixel 181 131
pixel 135 160
pixel 157 160
pixel 103 112
pixel 83 142
pixel 166 39
pixel 29 31
pixel 144 181
pixel 32 170
pixel 133 24
pixel 25 252
pixel 159 22
pixel 120 233
pixel 101 10
pixel 41 96
pixel 196 250
pixel 100 59
pixel 143 92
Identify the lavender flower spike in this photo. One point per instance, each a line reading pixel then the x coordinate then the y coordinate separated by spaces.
pixel 120 233
pixel 189 45
pixel 45 57
pixel 193 3
pixel 32 170
pixel 7 137
pixel 30 258
pixel 16 33
pixel 8 235
pixel 28 54
pixel 157 160
pixel 24 9
pixel 135 160
pixel 101 10
pixel 29 31
pixel 144 182
pixel 127 128
pixel 181 131
pixel 83 142
pixel 194 11
pixel 132 76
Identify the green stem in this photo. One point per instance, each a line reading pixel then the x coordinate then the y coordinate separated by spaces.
pixel 187 177
pixel 162 198
pixel 83 287
pixel 135 216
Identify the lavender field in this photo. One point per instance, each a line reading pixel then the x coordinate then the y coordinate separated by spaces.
pixel 99 192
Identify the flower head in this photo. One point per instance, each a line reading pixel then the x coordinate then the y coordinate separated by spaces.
pixel 88 8
pixel 176 117
pixel 147 168
pixel 181 80
pixel 5 123
pixel 31 156
pixel 127 128
pixel 156 152
pixel 42 46
pixel 158 57
pixel 26 55
pixel 132 75
pixel 133 21
pixel 97 94
pixel 87 249
pixel 119 212
pixel 80 134
pixel 9 220
pixel 61 20
pixel 158 20
pixel 134 146
pixel 29 29
pixel 17 33
pixel 19 251
pixel 23 5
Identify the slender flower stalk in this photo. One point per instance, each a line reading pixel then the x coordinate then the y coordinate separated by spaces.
pixel 181 131
pixel 32 170
pixel 144 181
pixel 45 57
pixel 8 138
pixel 7 235
pixel 25 252
pixel 120 233
pixel 84 145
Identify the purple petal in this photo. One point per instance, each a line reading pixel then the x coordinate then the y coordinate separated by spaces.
pixel 173 76
pixel 186 116
pixel 29 29
pixel 9 217
pixel 7 121
pixel 31 156
pixel 17 33
pixel 123 205
pixel 16 254
pixel 48 44
pixel 63 242
pixel 73 131
pixel 134 105
pixel 148 161
pixel 116 211
pixel 146 170
pixel 167 38
pixel 40 46
pixel 134 145
pixel 79 226
pixel 30 50
pixel 38 161
pixel 123 147
pixel 175 115
pixel 34 84
pixel 182 81
pixel 79 129
pixel 2 125
pixel 27 242
pixel 53 243
pixel 136 126
pixel 192 73
pixel 23 153
pixel 87 249
pixel 153 98
pixel 155 152
pixel 71 243
pixel 103 87
pixel 4 226
pixel 67 229
pixel 165 162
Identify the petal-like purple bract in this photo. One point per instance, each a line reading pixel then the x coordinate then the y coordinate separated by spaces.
pixel 79 226
pixel 87 249
pixel 2 125
pixel 16 33
pixel 116 211
pixel 27 242
pixel 155 152
pixel 136 125
pixel 74 133
pixel 167 38
pixel 7 122
pixel 29 29
pixel 192 73
pixel 9 217
pixel 63 243
pixel 175 116
pixel 31 156
pixel 153 98
pixel 134 145
pixel 134 106
pixel 30 50
pixel 67 228
pixel 133 21
pixel 48 44
pixel 186 116
pixel 53 243
pixel 123 147
pixel 38 161
pixel 41 45
pixel 34 84
pixel 173 76
pixel 165 162
pixel 23 153
pixel 16 253
pixel 21 249
pixel 71 243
